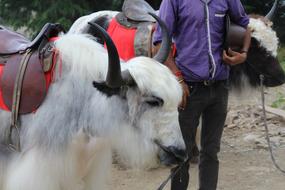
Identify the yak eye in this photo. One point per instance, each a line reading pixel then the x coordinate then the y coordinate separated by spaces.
pixel 154 101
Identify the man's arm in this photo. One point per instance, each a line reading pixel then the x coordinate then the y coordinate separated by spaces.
pixel 237 15
pixel 232 57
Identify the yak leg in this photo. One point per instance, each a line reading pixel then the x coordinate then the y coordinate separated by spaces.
pixel 5 157
pixel 93 155
pixel 35 170
pixel 84 165
pixel 97 169
pixel 31 171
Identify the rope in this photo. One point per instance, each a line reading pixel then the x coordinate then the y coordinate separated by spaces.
pixel 266 126
pixel 173 172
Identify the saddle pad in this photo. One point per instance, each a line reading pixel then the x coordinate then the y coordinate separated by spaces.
pixel 123 38
pixel 2 104
pixel 34 83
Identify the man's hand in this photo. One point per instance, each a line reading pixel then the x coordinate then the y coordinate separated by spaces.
pixel 233 57
pixel 186 93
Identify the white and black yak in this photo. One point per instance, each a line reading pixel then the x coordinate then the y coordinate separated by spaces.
pixel 66 143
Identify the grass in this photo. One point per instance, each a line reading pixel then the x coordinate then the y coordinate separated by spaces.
pixel 281 56
pixel 280 99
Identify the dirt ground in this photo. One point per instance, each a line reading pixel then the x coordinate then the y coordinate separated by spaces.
pixel 245 162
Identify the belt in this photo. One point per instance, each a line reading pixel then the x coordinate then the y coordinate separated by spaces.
pixel 206 82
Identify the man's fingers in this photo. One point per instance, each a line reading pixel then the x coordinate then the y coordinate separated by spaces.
pixel 187 92
pixel 231 52
pixel 184 101
pixel 228 60
pixel 225 55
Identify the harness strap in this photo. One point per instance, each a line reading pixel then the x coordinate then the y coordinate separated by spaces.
pixel 266 126
pixel 173 172
pixel 16 101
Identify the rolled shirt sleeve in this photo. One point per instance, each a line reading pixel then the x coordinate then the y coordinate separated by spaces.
pixel 167 12
pixel 237 13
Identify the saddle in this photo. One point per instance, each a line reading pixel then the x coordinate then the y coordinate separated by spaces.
pixel 141 42
pixel 143 36
pixel 133 22
pixel 137 10
pixel 135 15
pixel 25 63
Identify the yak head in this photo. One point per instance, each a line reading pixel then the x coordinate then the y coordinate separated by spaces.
pixel 262 55
pixel 151 95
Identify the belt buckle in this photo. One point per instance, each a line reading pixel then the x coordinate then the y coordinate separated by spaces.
pixel 207 82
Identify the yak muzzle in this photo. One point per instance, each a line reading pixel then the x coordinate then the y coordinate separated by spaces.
pixel 171 155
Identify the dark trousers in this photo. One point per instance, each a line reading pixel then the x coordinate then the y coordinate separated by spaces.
pixel 210 102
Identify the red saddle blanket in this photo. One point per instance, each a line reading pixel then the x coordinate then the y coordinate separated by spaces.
pixel 2 104
pixel 123 38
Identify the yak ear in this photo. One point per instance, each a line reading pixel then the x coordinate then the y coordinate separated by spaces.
pixel 102 87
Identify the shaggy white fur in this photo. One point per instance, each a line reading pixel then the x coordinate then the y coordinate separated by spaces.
pixel 67 142
pixel 79 25
pixel 265 35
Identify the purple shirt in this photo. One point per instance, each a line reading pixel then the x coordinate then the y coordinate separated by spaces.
pixel 199 41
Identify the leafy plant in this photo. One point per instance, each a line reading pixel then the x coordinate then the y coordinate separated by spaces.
pixel 33 14
pixel 281 56
pixel 280 101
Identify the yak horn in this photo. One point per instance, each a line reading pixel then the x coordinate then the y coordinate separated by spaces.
pixel 164 50
pixel 271 13
pixel 114 78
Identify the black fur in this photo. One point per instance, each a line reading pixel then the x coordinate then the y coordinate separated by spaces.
pixel 259 61
pixel 101 21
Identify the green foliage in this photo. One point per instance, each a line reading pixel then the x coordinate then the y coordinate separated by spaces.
pixel 283 65
pixel 280 101
pixel 154 3
pixel 281 56
pixel 280 98
pixel 33 14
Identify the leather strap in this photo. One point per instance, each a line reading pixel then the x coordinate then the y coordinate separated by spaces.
pixel 16 101
pixel 124 21
pixel 143 39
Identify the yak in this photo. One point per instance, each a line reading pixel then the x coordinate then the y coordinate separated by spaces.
pixel 66 143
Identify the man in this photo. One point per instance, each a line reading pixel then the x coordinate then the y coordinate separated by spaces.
pixel 202 67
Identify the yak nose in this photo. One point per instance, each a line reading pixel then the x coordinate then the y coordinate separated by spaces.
pixel 179 154
pixel 282 78
pixel 277 80
pixel 172 155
